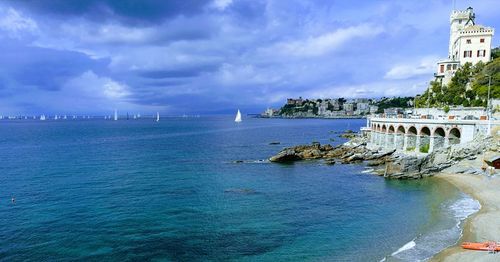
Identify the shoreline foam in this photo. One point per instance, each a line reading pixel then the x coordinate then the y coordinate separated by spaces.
pixel 427 244
pixel 482 226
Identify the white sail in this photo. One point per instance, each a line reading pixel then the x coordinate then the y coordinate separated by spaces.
pixel 157 116
pixel 42 117
pixel 238 117
pixel 116 115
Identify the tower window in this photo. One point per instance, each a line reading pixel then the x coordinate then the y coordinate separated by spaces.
pixel 441 68
pixel 469 41
pixel 481 40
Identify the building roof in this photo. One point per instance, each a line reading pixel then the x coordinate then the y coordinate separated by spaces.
pixel 492 160
pixel 473 28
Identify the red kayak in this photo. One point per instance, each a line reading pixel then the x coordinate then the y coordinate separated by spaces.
pixel 485 246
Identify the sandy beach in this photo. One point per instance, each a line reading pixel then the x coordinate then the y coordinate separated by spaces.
pixel 480 227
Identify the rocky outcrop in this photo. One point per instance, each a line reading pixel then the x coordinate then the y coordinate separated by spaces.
pixel 353 151
pixel 391 164
pixel 411 166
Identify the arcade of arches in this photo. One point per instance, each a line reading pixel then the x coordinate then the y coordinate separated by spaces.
pixel 413 138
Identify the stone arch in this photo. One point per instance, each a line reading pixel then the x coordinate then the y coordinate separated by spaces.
pixel 378 127
pixel 425 138
pixel 399 137
pixel 439 137
pixel 454 136
pixel 425 131
pixel 391 137
pixel 384 129
pixel 412 130
pixel 411 136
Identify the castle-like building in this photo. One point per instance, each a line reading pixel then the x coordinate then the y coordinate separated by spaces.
pixel 468 43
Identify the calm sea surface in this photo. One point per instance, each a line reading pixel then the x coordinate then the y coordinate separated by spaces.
pixel 171 191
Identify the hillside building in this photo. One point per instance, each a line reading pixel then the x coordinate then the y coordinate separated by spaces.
pixel 468 43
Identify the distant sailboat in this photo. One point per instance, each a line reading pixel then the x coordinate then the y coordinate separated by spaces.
pixel 238 117
pixel 116 115
pixel 42 117
pixel 157 116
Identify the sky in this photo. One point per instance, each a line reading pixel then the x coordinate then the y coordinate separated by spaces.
pixel 215 56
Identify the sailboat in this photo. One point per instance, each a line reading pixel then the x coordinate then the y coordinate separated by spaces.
pixel 238 117
pixel 116 115
pixel 157 116
pixel 42 117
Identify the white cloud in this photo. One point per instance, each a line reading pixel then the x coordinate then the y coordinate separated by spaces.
pixel 426 66
pixel 222 4
pixel 14 23
pixel 319 45
pixel 91 85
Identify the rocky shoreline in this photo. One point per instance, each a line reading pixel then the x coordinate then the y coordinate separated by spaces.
pixel 391 164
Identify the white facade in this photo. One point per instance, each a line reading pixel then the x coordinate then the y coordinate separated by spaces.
pixel 468 43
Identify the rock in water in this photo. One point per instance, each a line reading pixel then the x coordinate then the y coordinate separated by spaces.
pixel 286 155
pixel 330 162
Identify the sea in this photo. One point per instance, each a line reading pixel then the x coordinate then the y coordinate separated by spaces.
pixel 201 189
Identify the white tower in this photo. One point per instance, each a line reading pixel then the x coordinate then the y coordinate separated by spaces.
pixel 458 21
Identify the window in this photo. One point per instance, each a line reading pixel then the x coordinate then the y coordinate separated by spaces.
pixel 481 53
pixel 441 69
pixel 469 41
pixel 448 67
pixel 455 67
pixel 459 21
pixel 481 40
pixel 468 53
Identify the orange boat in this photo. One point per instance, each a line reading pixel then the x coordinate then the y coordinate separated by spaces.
pixel 485 246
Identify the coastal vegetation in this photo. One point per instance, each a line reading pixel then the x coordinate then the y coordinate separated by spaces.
pixel 391 102
pixel 341 107
pixel 424 148
pixel 468 87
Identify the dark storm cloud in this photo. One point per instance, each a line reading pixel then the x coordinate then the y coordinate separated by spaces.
pixel 128 11
pixel 43 68
pixel 216 55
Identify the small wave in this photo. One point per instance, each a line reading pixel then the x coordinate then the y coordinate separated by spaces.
pixel 260 161
pixel 427 245
pixel 465 207
pixel 407 246
pixel 367 171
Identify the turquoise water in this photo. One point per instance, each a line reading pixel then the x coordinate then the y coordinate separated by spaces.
pixel 171 191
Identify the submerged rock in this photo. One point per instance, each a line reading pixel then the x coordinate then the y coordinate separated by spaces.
pixel 330 161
